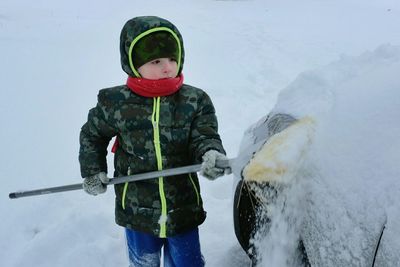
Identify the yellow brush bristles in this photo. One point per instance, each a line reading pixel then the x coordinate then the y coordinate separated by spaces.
pixel 279 157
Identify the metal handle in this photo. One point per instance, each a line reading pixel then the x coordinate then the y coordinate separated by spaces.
pixel 118 180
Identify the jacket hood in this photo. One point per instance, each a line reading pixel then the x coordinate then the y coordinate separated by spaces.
pixel 137 28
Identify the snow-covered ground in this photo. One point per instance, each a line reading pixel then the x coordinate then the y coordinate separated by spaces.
pixel 56 55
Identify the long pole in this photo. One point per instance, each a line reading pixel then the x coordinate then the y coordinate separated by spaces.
pixel 117 180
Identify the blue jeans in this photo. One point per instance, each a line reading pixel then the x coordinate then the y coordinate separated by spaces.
pixel 182 250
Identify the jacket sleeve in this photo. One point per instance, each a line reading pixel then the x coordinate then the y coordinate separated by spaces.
pixel 94 137
pixel 204 130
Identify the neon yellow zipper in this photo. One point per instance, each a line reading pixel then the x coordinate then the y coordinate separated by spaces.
pixel 155 118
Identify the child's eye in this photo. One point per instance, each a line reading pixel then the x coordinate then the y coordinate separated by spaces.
pixel 155 61
pixel 172 59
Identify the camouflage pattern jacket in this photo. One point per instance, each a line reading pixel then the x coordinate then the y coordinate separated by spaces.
pixel 187 128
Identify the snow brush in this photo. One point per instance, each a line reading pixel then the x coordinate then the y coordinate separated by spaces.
pixel 279 158
pixel 226 164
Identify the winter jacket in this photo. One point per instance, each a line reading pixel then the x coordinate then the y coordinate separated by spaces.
pixel 153 134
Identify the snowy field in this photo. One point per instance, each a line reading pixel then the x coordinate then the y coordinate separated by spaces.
pixel 56 55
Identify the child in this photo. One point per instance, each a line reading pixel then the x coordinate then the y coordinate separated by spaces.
pixel 160 123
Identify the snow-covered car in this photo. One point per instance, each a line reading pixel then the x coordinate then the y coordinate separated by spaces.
pixel 318 180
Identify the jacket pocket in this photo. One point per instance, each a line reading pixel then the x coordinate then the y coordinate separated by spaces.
pixel 123 199
pixel 195 189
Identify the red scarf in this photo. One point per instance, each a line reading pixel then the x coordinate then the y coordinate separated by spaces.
pixel 154 88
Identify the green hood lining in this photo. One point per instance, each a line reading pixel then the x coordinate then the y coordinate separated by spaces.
pixel 140 36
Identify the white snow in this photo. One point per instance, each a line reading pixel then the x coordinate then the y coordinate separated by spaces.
pixel 56 55
pixel 356 153
pixel 346 186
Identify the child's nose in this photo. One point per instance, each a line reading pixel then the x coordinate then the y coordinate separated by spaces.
pixel 168 68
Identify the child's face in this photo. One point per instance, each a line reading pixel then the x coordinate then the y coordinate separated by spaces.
pixel 159 68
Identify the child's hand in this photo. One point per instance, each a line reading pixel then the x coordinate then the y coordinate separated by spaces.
pixel 208 167
pixel 96 184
